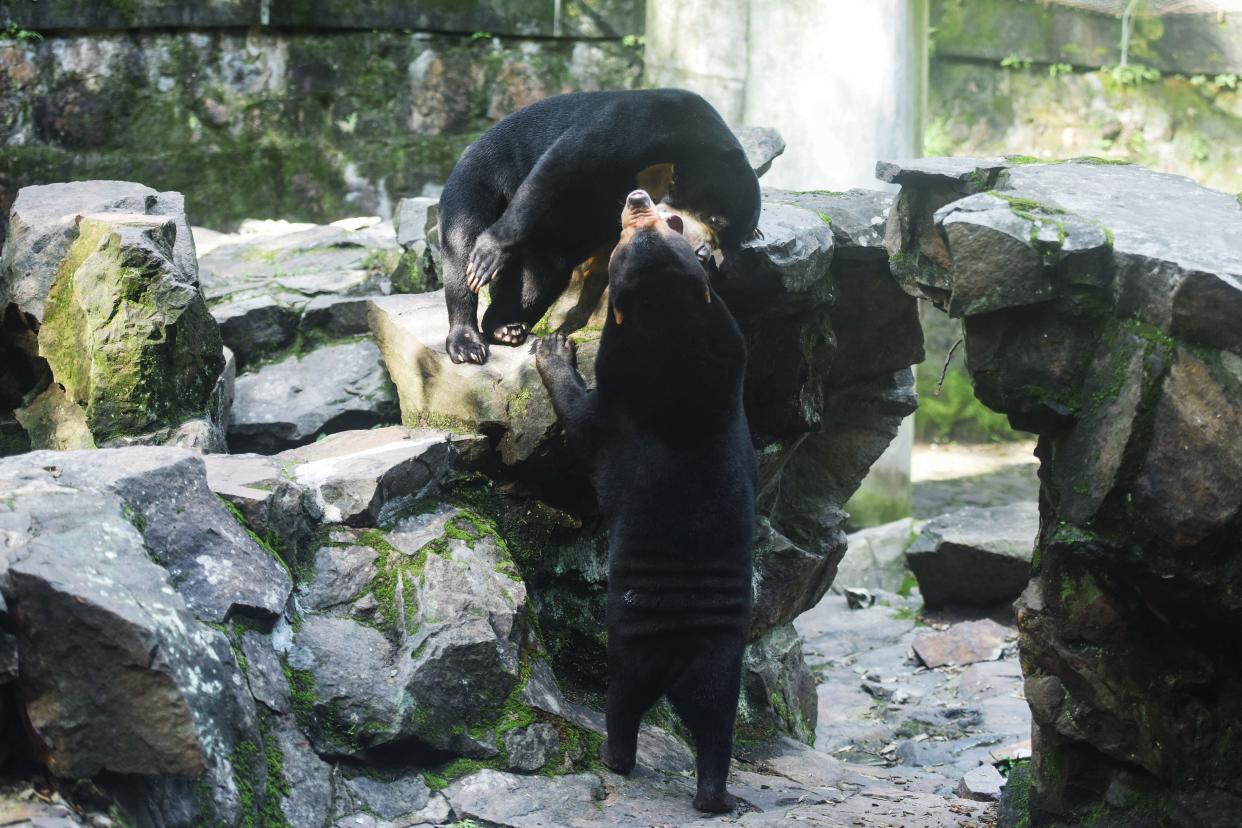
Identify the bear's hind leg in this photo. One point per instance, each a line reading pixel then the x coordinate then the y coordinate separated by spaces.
pixel 705 697
pixel 503 321
pixel 633 687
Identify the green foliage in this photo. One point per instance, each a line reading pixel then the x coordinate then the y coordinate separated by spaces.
pixel 1057 69
pixel 1132 74
pixel 908 583
pixel 15 32
pixel 1015 62
pixel 634 41
pixel 956 413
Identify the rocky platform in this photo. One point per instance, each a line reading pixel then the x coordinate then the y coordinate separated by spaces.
pixel 399 625
pixel 1101 306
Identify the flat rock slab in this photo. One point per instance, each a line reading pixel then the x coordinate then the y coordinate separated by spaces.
pixel 329 389
pixel 876 557
pixel 359 478
pixel 504 395
pixel 975 556
pixel 857 217
pixel 964 643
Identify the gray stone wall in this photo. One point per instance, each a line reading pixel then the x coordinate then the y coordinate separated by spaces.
pixel 1011 76
pixel 310 110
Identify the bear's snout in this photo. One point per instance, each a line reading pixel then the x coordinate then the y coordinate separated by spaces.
pixel 638 200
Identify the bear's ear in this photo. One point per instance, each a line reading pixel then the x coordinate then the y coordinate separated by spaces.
pixel 675 222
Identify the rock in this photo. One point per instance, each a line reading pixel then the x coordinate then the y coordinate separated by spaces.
pixel 983 784
pixel 762 146
pixel 971 174
pixel 418 233
pixel 306 778
pixel 789 263
pixel 1188 487
pixel 442 653
pixel 257 324
pixel 523 802
pixel 975 556
pixel 1122 354
pixel 366 477
pixel 857 218
pixel 329 389
pixel 876 557
pixel 389 799
pixel 94 610
pixel 264 672
pixel 211 560
pixel 858 598
pixel 963 643
pixel 505 395
pixel 43 226
pixel 335 316
pixel 341 575
pixel 529 748
pixel 778 686
pixel 357 477
pixel 261 284
pixel 124 330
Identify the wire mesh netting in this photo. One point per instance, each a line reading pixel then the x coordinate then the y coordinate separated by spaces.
pixel 1148 7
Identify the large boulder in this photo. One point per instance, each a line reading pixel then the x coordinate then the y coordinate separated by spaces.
pixel 109 334
pixel 975 556
pixel 118 672
pixel 1100 305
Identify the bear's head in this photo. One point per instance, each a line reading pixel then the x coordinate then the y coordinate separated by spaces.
pixel 655 269
pixel 721 189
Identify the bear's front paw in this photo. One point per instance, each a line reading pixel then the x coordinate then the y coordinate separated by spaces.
pixel 466 345
pixel 486 261
pixel 555 348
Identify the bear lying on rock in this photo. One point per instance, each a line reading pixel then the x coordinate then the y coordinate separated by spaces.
pixel 671 454
pixel 538 194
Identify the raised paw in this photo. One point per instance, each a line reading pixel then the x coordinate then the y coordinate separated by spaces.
pixel 617 765
pixel 556 347
pixel 466 345
pixel 486 261
pixel 512 334
pixel 716 803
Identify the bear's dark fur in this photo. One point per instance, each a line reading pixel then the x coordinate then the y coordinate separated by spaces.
pixel 667 438
pixel 539 193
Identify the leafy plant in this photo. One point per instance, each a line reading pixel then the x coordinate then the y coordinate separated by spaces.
pixel 1015 62
pixel 1058 69
pixel 1132 74
pixel 15 32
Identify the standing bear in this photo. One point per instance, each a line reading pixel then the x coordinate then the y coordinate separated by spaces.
pixel 539 192
pixel 670 449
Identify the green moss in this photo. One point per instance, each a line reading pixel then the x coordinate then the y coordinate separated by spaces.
pixel 440 422
pixel 825 218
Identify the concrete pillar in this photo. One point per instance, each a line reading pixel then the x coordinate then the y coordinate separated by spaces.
pixel 844 81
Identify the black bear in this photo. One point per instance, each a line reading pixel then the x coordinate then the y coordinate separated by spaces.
pixel 670 449
pixel 539 192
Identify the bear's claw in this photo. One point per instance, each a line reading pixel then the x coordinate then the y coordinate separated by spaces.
pixel 514 333
pixel 486 261
pixel 465 345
